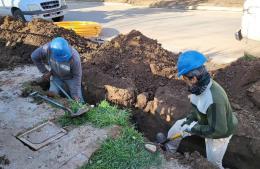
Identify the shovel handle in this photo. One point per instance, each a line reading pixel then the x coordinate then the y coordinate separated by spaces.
pixel 62 90
pixel 53 102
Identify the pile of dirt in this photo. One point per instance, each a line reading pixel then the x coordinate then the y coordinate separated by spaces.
pixel 135 57
pixel 241 82
pixel 18 40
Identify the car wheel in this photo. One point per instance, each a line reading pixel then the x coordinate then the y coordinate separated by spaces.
pixel 58 19
pixel 19 15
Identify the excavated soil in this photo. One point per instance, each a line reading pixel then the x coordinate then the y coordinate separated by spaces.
pixel 18 40
pixel 136 57
pixel 241 82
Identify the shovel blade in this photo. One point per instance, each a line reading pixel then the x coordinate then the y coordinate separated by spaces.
pixel 80 112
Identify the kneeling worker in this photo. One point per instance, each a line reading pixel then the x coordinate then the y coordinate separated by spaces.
pixel 65 65
pixel 212 117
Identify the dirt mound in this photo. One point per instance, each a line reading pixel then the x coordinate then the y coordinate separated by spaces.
pixel 18 40
pixel 134 56
pixel 240 82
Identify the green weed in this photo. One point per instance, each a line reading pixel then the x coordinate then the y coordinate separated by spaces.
pixel 76 105
pixel 101 116
pixel 249 57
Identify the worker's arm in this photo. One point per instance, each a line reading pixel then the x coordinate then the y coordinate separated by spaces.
pixel 190 118
pixel 217 123
pixel 38 57
pixel 75 82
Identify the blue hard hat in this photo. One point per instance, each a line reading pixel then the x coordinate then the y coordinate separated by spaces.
pixel 60 50
pixel 189 61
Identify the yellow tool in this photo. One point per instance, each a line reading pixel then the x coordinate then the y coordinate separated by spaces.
pixel 83 28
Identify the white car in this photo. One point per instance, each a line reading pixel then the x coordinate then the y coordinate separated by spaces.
pixel 250 28
pixel 26 10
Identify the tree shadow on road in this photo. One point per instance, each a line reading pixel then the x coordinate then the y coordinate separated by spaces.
pixel 177 3
pixel 108 16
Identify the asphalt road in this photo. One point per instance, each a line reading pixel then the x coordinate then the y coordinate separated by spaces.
pixel 211 32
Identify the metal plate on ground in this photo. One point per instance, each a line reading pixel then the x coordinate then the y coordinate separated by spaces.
pixel 41 135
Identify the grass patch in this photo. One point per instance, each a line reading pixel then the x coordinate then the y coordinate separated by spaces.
pixel 76 105
pixel 125 152
pixel 249 57
pixel 101 116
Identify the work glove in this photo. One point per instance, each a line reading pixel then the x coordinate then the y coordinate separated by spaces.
pixel 187 122
pixel 188 129
pixel 185 134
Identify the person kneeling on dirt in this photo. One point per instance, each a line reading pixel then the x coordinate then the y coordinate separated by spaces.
pixel 212 117
pixel 65 65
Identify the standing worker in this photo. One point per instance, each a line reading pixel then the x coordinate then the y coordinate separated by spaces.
pixel 212 117
pixel 65 67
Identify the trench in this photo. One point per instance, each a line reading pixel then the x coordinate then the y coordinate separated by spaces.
pixel 149 125
pixel 242 158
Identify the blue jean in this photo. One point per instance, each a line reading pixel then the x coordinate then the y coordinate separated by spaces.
pixel 62 83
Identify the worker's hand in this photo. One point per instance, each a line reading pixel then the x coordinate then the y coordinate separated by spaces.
pixel 47 76
pixel 186 122
pixel 186 133
pixel 51 94
pixel 188 129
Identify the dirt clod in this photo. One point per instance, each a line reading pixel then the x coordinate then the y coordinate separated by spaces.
pixel 141 100
pixel 125 96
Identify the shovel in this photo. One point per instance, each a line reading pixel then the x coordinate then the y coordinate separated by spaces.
pixel 81 111
pixel 55 103
pixel 153 147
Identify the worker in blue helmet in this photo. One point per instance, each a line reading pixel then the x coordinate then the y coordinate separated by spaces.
pixel 65 67
pixel 212 117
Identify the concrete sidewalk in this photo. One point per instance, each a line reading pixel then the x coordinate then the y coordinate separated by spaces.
pixel 19 114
